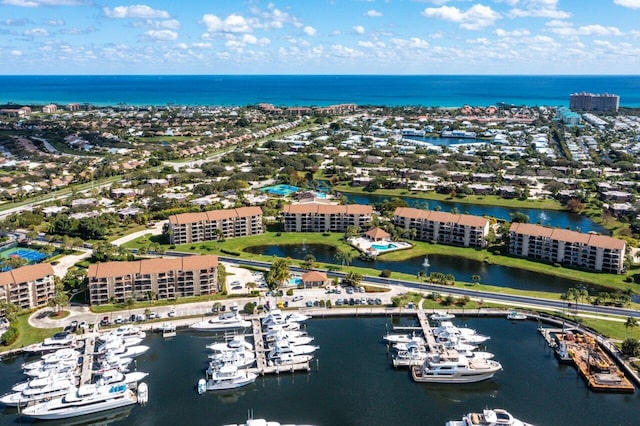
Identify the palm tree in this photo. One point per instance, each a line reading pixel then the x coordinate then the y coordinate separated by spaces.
pixel 279 273
pixel 630 323
pixel 475 279
pixel 344 257
pixel 309 262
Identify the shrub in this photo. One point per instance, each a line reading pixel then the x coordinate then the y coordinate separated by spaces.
pixel 328 304
pixel 10 336
pixel 230 252
pixel 249 307
pixel 290 292
pixel 322 303
pixel 628 279
pixel 278 234
pixel 557 265
pixel 326 234
pixel 172 247
pixel 192 247
pixel 386 273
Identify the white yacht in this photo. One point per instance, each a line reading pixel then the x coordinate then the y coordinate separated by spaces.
pixel 86 399
pixel 276 334
pixel 283 347
pixel 288 359
pixel 111 361
pixel 47 370
pixel 239 358
pixel 60 340
pixel 124 331
pixel 451 367
pixel 446 316
pixel 288 326
pixel 115 342
pixel 488 417
pixel 291 341
pixel 448 326
pixel 229 377
pixel 238 342
pixel 263 422
pixel 42 381
pixel 37 390
pixel 403 346
pixel 453 334
pixel 226 321
pixel 399 338
pixel 128 351
pixel 276 316
pixel 413 354
pixel 53 358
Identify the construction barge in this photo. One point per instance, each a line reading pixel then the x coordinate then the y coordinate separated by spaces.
pixel 598 370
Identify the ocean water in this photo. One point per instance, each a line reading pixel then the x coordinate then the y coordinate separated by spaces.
pixel 313 90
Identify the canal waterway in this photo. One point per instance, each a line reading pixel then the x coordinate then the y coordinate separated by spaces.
pixel 353 383
pixel 554 218
pixel 462 269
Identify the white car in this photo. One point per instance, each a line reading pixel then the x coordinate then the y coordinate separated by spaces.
pixel 297 298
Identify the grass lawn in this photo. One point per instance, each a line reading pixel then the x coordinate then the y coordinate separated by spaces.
pixel 484 200
pixel 28 335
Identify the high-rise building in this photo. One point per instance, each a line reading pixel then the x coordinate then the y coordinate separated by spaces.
pixel 584 101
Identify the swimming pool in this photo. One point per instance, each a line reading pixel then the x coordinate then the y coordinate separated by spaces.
pixel 280 189
pixel 383 247
pixel 295 281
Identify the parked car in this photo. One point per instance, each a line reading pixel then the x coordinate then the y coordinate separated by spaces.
pixel 172 313
pixel 152 315
pixel 119 319
pixel 104 321
pixel 297 298
pixel 236 287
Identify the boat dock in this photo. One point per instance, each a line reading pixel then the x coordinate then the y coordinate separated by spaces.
pixel 262 367
pixel 426 329
pixel 86 368
pixel 594 365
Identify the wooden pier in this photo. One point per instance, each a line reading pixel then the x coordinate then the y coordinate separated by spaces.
pixel 86 368
pixel 426 329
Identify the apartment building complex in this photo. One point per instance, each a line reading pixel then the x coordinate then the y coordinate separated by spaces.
pixel 444 228
pixel 160 278
pixel 317 217
pixel 585 251
pixel 207 226
pixel 584 101
pixel 28 286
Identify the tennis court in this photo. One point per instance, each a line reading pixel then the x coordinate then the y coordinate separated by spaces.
pixel 30 255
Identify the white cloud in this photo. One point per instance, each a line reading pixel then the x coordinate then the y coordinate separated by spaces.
pixel 373 13
pixel 135 11
pixel 231 24
pixel 38 3
pixel 310 31
pixel 345 52
pixel 162 35
pixel 599 30
pixel 633 4
pixel 539 9
pixel 276 18
pixel 411 43
pixel 16 52
pixel 474 18
pixel 37 32
pixel 515 33
pixel 359 29
pixel 566 29
pixel 170 24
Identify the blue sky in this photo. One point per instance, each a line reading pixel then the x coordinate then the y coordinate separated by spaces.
pixel 320 37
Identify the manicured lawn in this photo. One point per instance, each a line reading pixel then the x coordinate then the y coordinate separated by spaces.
pixel 28 335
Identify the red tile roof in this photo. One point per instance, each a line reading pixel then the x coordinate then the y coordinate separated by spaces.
pixel 594 240
pixel 151 266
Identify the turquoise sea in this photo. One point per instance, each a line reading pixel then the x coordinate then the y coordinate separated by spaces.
pixel 313 90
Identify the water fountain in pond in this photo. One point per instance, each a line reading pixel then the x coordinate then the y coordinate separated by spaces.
pixel 426 263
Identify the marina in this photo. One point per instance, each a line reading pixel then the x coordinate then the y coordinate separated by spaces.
pixel 354 364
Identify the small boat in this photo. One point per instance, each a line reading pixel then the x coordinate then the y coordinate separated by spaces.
pixel 239 358
pixel 288 326
pixel 167 327
pixel 143 393
pixel 238 342
pixel 514 315
pixel 441 316
pixel 399 338
pixel 451 367
pixel 58 341
pixel 288 359
pixel 263 422
pixel 202 386
pixel 115 343
pixel 51 359
pixel 229 377
pixel 226 321
pixel 488 417
pixel 128 351
pixel 124 331
pixel 38 390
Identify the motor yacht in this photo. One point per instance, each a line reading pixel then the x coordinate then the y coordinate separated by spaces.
pixel 53 358
pixel 58 341
pixel 110 361
pixel 116 342
pixel 226 321
pixel 272 335
pixel 128 351
pixel 35 382
pixel 291 341
pixel 488 417
pixel 288 326
pixel 448 326
pixel 239 358
pixel 287 359
pixel 399 338
pixel 238 342
pixel 47 370
pixel 414 354
pixel 124 331
pixel 451 367
pixel 282 347
pixel 403 346
pixel 86 399
pixel 276 316
pixel 37 390
pixel 229 377
pixel 453 335
pixel 441 316
pixel 263 422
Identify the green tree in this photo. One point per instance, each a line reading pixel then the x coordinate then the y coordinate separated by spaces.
pixel 278 273
pixel 309 262
pixel 475 279
pixel 344 257
pixel 631 347
pixel 59 299
pixel 630 323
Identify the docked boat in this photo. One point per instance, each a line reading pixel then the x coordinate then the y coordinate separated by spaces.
pixel 226 321
pixel 280 348
pixel 453 335
pixel 488 417
pixel 515 316
pixel 42 381
pixel 86 399
pixel 128 351
pixel 414 354
pixel 124 331
pixel 53 369
pixel 403 346
pixel 51 359
pixel 238 342
pixel 111 361
pixel 229 377
pixel 288 326
pixel 37 390
pixel 441 316
pixel 276 316
pixel 398 338
pixel 116 343
pixel 263 422
pixel 272 335
pixel 288 359
pixel 239 358
pixel 62 340
pixel 291 341
pixel 451 367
